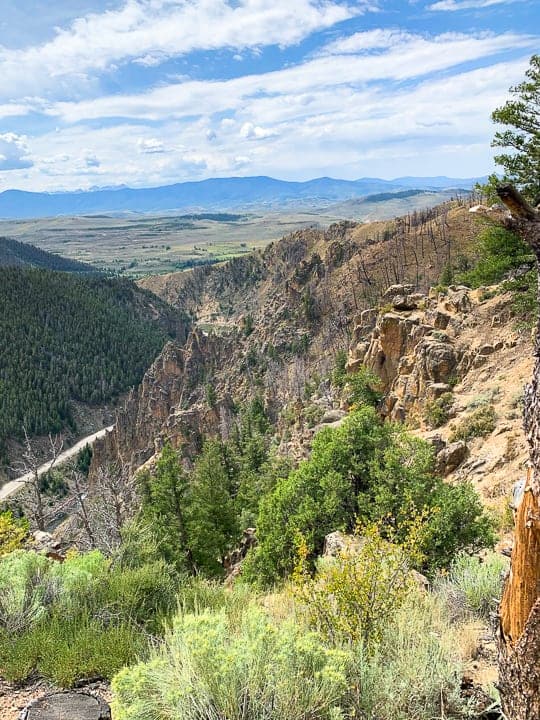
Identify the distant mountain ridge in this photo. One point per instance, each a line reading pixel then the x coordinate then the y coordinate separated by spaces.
pixel 233 193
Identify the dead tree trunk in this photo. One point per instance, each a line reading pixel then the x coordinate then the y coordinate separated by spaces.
pixel 519 634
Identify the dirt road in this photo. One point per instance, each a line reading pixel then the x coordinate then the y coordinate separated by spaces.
pixel 14 485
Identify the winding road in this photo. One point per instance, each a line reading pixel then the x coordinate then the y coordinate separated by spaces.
pixel 13 485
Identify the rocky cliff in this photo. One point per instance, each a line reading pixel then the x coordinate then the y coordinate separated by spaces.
pixel 272 322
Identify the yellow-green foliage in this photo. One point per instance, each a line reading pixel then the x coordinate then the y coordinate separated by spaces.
pixel 248 667
pixel 351 596
pixel 479 423
pixel 13 532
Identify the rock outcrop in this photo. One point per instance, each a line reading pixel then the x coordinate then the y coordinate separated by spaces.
pixel 169 404
pixel 412 348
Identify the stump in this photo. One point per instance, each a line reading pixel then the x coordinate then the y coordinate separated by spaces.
pixel 67 706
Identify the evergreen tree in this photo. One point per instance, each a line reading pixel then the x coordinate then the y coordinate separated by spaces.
pixel 521 138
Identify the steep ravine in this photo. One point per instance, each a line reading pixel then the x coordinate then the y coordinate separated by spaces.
pixel 272 322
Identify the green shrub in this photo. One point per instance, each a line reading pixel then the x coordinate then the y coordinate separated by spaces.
pixel 339 374
pixel 253 668
pixel 474 584
pixel 499 251
pixel 65 649
pixel 479 423
pixel 312 415
pixel 364 388
pixel 374 471
pixel 525 297
pixel 437 412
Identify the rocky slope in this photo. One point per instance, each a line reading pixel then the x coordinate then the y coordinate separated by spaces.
pixel 270 321
pixel 271 324
pixel 458 352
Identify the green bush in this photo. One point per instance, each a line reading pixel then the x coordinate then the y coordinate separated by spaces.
pixel 211 667
pixel 339 373
pixel 374 471
pixel 479 423
pixel 437 412
pixel 65 649
pixel 364 388
pixel 499 251
pixel 78 618
pixel 312 415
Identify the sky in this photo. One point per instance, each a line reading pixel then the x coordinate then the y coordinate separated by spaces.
pixel 102 93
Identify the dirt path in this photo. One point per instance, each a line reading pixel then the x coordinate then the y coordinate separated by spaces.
pixel 14 485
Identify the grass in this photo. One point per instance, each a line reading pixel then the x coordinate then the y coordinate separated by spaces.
pixel 79 619
pixel 473 586
pixel 415 673
pixel 69 649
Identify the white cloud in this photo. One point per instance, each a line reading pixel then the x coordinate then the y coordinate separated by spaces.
pixel 150 146
pixel 347 132
pixel 410 59
pixel 255 132
pixel 150 31
pixel 14 152
pixel 453 5
pixel 368 40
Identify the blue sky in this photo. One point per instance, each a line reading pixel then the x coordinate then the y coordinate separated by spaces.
pixel 148 92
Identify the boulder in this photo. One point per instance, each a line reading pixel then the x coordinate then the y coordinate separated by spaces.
pixel 394 290
pixel 486 350
pixel 435 390
pixel 437 442
pixel 420 580
pixel 332 416
pixel 458 299
pixel 403 303
pixel 451 457
pixel 337 542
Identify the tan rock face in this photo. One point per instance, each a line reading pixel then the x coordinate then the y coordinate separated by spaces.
pixel 412 353
pixel 409 359
pixel 167 406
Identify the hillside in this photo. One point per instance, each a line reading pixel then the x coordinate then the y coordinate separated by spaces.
pixel 272 320
pixel 216 194
pixel 18 254
pixel 72 338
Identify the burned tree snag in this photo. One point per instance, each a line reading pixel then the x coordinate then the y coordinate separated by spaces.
pixel 519 614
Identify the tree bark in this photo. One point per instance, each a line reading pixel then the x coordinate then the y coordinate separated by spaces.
pixel 519 613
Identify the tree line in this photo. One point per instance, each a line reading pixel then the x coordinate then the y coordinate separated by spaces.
pixel 70 337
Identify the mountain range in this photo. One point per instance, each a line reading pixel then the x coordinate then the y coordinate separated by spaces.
pixel 237 193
